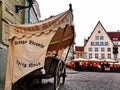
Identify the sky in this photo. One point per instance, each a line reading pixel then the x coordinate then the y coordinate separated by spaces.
pixel 86 13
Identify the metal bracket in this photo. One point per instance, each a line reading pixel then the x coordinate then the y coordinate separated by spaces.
pixel 19 7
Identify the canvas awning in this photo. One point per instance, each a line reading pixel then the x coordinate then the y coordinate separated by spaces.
pixel 29 43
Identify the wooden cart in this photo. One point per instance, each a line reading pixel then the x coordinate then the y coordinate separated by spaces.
pixel 54 67
pixel 59 33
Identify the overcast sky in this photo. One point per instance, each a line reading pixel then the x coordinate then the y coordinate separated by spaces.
pixel 86 13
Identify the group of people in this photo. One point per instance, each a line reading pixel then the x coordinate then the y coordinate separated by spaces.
pixel 95 66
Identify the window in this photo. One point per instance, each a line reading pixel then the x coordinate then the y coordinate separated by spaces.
pixel 115 43
pixel 97 43
pixel 101 43
pixel 90 49
pixel 90 55
pixel 109 56
pixel 96 55
pixel 96 37
pixel 109 49
pixel 115 38
pixel 101 38
pixel 102 56
pixel 92 43
pixel 106 44
pixel 96 49
pixel 102 49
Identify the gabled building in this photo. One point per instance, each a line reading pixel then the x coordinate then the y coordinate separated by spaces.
pixel 100 44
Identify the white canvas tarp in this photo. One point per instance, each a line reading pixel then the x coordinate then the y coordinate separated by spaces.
pixel 28 44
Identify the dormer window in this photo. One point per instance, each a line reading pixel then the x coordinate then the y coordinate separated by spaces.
pixel 115 38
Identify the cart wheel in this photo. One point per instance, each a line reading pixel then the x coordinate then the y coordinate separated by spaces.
pixel 58 76
pixel 64 75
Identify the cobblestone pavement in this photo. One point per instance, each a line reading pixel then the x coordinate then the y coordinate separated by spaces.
pixel 87 81
pixel 92 81
pixel 84 81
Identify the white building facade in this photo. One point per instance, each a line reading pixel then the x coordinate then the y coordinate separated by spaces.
pixel 99 45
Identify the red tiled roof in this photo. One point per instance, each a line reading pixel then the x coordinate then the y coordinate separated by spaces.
pixel 114 35
pixel 79 48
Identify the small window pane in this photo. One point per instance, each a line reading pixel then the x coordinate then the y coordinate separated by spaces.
pixel 101 43
pixel 108 49
pixel 115 39
pixel 103 56
pixel 96 55
pixel 97 43
pixel 101 38
pixel 96 37
pixel 102 49
pixel 90 55
pixel 96 49
pixel 106 44
pixel 109 56
pixel 90 50
pixel 92 43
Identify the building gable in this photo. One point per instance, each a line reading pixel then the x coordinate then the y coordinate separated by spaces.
pixel 98 44
pixel 99 32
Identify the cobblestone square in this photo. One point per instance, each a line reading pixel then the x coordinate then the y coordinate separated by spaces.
pixel 77 80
